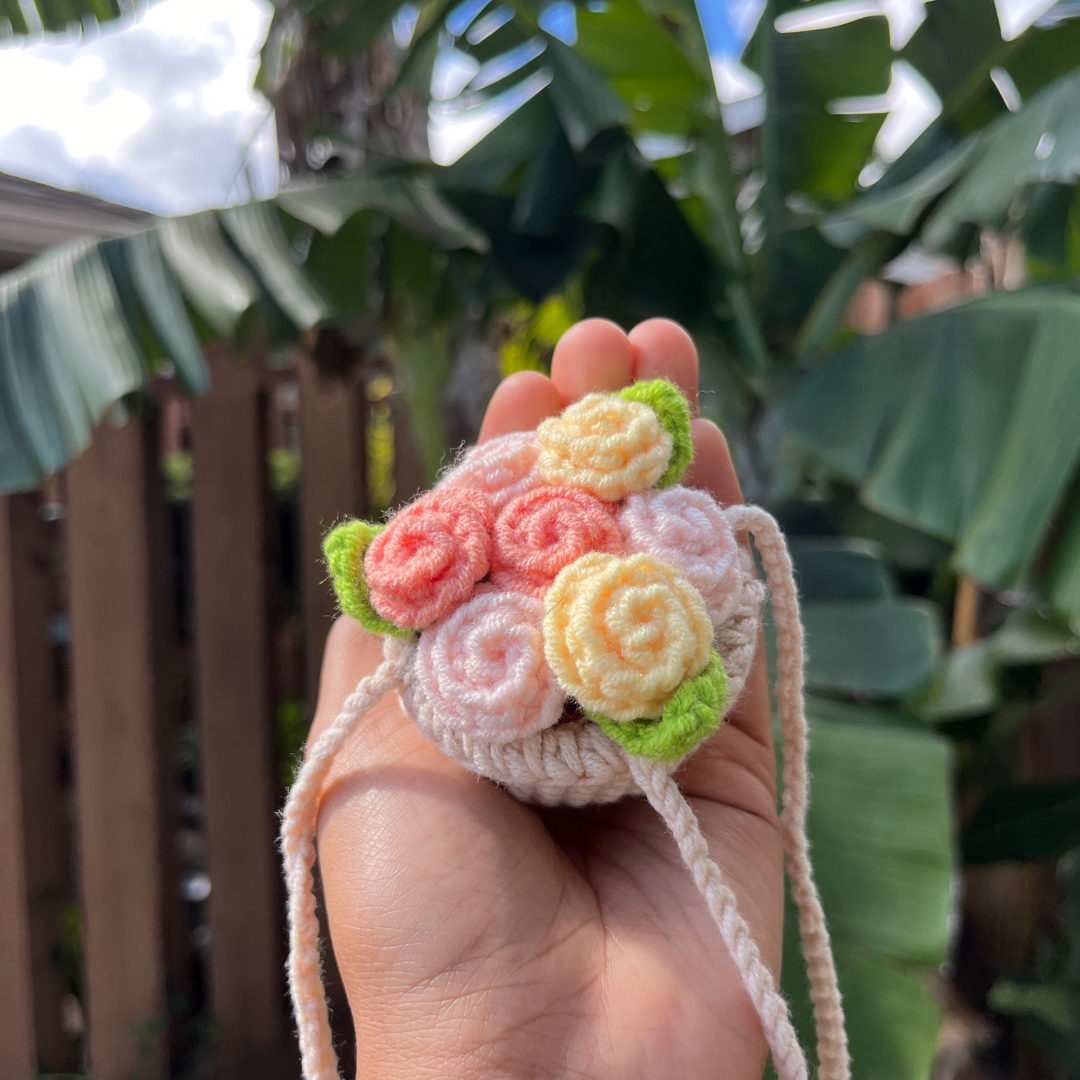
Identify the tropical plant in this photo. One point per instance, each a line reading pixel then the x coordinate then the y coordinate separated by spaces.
pixel 58 16
pixel 932 461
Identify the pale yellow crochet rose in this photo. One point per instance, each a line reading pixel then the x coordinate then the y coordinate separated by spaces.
pixel 604 444
pixel 621 634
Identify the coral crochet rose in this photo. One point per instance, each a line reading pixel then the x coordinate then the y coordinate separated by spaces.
pixel 621 634
pixel 502 468
pixel 539 533
pixel 483 668
pixel 604 444
pixel 686 528
pixel 429 557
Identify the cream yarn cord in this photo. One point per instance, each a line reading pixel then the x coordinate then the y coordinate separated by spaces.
pixel 318 1059
pixel 664 796
pixel 301 811
pixel 832 1048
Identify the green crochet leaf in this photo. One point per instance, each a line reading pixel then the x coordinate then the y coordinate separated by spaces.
pixel 344 547
pixel 692 714
pixel 673 412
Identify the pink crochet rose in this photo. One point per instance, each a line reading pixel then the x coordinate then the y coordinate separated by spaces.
pixel 502 468
pixel 483 668
pixel 429 557
pixel 687 528
pixel 539 533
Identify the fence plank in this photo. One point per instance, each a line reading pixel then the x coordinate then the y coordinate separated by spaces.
pixel 17 1037
pixel 116 751
pixel 235 707
pixel 332 486
pixel 28 694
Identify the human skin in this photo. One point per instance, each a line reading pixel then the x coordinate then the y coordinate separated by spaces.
pixel 478 937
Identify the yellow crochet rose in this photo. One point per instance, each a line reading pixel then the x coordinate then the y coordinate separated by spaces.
pixel 621 635
pixel 604 444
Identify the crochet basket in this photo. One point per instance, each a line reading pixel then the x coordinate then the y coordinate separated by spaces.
pixel 562 617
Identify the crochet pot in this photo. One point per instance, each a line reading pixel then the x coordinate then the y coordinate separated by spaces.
pixel 563 618
pixel 573 762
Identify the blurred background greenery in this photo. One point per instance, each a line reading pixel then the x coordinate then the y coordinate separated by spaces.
pixel 919 441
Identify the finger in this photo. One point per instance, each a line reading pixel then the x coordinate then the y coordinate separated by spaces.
pixel 519 403
pixel 664 350
pixel 737 766
pixel 593 356
pixel 712 468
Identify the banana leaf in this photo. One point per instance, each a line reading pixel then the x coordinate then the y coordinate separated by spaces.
pixel 959 424
pixel 85 324
pixel 881 833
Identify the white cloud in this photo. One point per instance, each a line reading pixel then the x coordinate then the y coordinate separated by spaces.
pixel 157 113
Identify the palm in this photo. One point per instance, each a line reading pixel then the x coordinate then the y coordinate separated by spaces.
pixel 476 935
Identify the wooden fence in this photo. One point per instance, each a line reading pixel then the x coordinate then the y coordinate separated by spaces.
pixel 158 662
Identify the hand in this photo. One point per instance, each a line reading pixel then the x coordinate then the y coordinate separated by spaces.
pixel 478 937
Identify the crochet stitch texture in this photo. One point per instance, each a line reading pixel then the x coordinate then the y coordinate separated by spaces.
pixel 429 557
pixel 606 445
pixel 568 567
pixel 345 549
pixel 624 634
pixel 539 533
pixel 483 668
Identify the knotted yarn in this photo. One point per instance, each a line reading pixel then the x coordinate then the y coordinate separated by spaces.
pixel 584 622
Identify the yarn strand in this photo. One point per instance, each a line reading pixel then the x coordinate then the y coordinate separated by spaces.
pixel 832 1047
pixel 667 800
pixel 664 796
pixel 299 820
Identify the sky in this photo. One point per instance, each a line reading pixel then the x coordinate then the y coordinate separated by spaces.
pixel 157 113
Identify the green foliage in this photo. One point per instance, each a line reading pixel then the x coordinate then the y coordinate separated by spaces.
pixel 86 324
pixel 1047 999
pixel 981 178
pixel 66 955
pixel 821 153
pixel 876 648
pixel 178 470
pixel 530 332
pixel 880 833
pixel 861 639
pixel 283 466
pixel 292 729
pixel 58 16
pixel 661 87
pixel 72 333
pixel 1021 824
pixel 958 424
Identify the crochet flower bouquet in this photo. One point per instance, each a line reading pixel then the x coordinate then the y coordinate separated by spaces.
pixel 564 618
